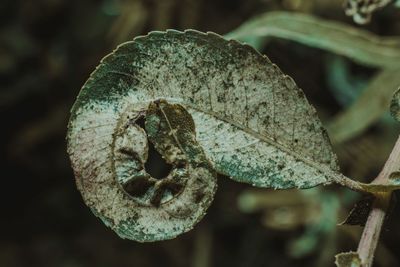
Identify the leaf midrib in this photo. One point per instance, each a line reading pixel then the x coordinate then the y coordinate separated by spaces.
pixel 324 168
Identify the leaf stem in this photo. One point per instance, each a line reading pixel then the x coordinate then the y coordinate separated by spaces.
pixel 374 188
pixel 349 183
pixel 370 236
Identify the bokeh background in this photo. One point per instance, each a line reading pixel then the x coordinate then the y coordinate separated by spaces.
pixel 48 48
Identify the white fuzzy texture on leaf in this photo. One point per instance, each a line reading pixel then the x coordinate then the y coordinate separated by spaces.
pixel 252 122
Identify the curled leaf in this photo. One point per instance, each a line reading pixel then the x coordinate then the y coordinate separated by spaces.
pixel 112 178
pixel 203 99
pixel 359 214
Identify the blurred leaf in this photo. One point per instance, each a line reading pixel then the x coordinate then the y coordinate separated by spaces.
pixel 348 259
pixel 339 38
pixel 395 105
pixel 317 230
pixel 361 11
pixel 362 156
pixel 283 209
pixel 130 22
pixel 345 86
pixel 368 108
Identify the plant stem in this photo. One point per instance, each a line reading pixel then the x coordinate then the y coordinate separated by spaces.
pixel 370 235
pixel 372 229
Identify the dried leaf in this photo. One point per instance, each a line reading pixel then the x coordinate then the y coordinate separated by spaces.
pixel 359 214
pixel 252 122
pixel 117 187
pixel 348 259
pixel 359 45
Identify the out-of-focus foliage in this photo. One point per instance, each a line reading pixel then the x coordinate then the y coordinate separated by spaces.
pixel 361 10
pixel 48 49
pixel 368 108
pixel 359 45
pixel 395 105
pixel 348 259
pixel 290 209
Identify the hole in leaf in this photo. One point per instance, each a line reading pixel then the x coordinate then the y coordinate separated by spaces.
pixel 140 121
pixel 146 190
pixel 137 187
pixel 155 165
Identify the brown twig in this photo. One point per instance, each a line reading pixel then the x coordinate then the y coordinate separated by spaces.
pixel 371 232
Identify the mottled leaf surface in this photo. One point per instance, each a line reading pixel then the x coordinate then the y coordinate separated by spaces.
pixel 252 122
pixel 359 45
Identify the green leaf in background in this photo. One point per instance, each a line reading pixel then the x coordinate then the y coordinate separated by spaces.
pixel 368 108
pixel 339 38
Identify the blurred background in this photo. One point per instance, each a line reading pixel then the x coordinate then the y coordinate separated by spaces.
pixel 48 48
